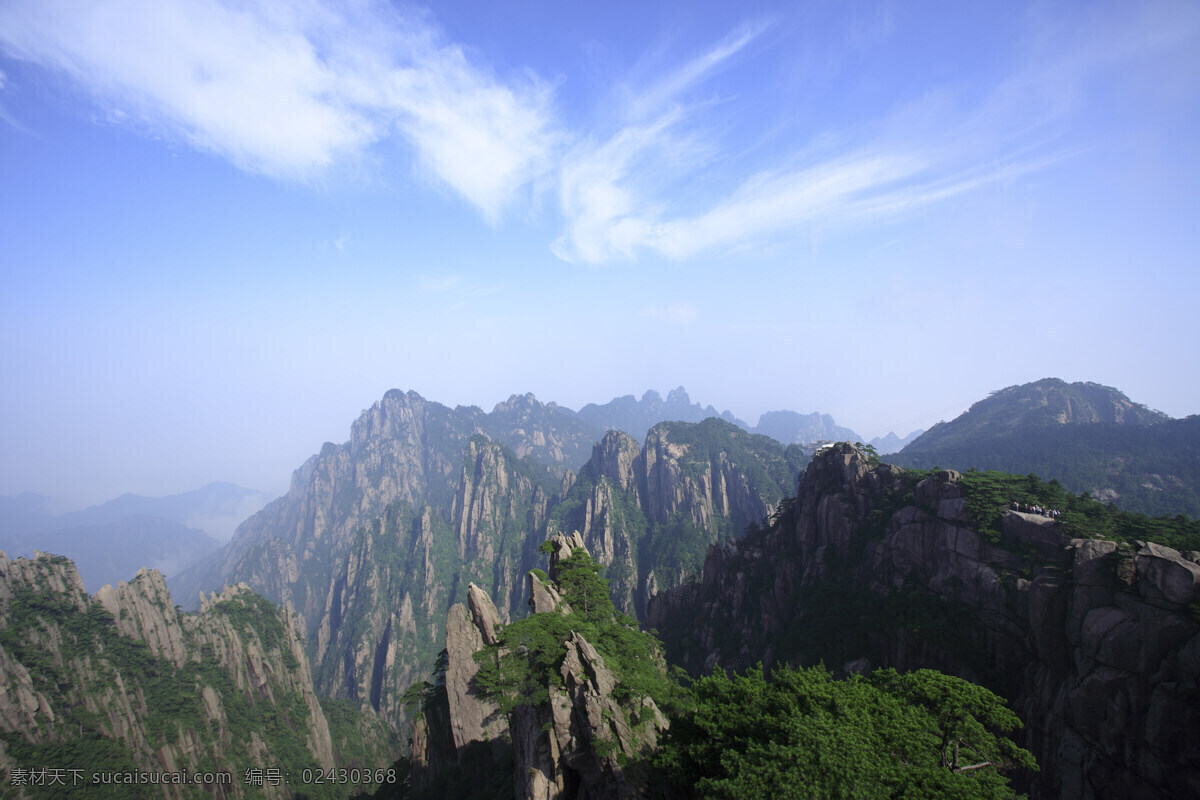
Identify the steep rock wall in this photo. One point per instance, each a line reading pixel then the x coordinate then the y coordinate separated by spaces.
pixel 383 621
pixel 650 513
pixel 1096 645
pixel 125 674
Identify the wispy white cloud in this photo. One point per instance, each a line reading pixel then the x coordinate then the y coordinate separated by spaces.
pixel 613 214
pixel 291 89
pixel 603 184
pixel 6 117
pixel 667 89
pixel 628 194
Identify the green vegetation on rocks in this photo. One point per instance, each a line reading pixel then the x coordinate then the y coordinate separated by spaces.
pixel 802 734
pixel 524 664
pixel 988 494
pixel 156 691
pixel 1090 438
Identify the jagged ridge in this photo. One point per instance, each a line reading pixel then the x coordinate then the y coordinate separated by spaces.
pixel 1096 643
pixel 127 683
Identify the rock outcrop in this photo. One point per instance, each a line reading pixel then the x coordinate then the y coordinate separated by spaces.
pixel 228 688
pixel 143 610
pixel 648 514
pixel 469 629
pixel 575 745
pixel 571 746
pixel 1096 644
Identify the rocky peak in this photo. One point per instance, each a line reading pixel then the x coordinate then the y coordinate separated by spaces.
pixel 43 572
pixel 517 403
pixel 483 613
pixel 143 610
pixel 471 718
pixel 1049 402
pixel 791 427
pixel 614 457
pixel 570 747
pixel 1056 401
pixel 385 418
pixel 679 395
pixel 564 546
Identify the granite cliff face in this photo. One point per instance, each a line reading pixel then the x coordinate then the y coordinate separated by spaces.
pixel 382 625
pixel 1095 644
pixel 403 449
pixel 649 514
pixel 379 537
pixel 137 686
pixel 569 747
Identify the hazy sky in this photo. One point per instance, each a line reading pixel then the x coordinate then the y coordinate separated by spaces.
pixel 227 227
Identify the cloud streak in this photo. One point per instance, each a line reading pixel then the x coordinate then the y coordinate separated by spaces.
pixel 926 151
pixel 291 90
pixel 295 90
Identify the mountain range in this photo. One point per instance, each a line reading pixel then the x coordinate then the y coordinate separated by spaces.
pixel 216 509
pixel 378 537
pixel 636 417
pixel 700 529
pixel 111 541
pixel 109 552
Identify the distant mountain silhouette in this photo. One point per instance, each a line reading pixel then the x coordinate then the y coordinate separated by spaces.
pixel 1091 438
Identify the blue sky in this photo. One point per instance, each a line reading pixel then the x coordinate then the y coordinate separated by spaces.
pixel 226 228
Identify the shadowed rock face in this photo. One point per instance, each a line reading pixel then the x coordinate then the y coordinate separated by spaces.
pixel 1096 644
pixel 566 748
